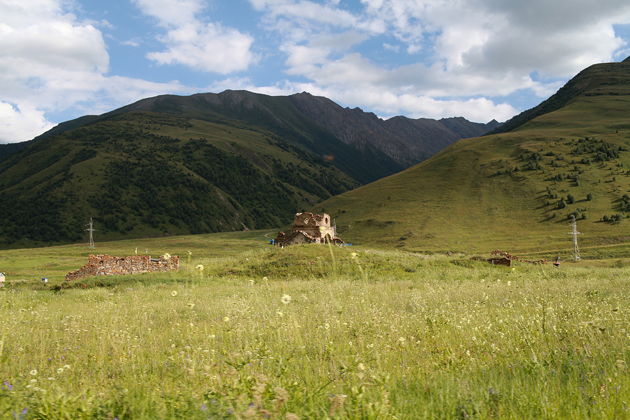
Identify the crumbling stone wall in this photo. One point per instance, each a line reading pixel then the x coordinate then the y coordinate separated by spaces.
pixel 108 265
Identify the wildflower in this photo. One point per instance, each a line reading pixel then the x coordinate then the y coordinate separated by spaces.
pixel 509 283
pixel 354 255
pixel 282 396
pixel 191 305
pixel 7 385
pixel 265 279
pixel 226 319
pixel 286 299
pixel 174 293
pixel 189 253
pixel 279 313
pixel 60 370
pixel 33 372
pixel 199 267
pixel 336 403
pixel 166 256
pixel 361 366
pixel 252 282
pixel 66 366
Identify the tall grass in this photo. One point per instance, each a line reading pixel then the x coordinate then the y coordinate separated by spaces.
pixel 383 335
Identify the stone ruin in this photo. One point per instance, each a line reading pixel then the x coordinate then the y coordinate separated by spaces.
pixel 505 258
pixel 310 228
pixel 108 265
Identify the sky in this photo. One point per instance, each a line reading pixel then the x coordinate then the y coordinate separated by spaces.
pixel 480 59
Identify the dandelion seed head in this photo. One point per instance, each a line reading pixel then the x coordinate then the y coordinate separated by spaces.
pixel 174 293
pixel 166 256
pixel 286 299
pixel 33 372
pixel 199 267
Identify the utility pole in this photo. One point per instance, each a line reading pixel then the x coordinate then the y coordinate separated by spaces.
pixel 575 233
pixel 91 230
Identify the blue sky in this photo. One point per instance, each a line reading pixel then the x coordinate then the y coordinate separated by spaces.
pixel 481 59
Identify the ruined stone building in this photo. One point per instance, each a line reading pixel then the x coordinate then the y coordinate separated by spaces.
pixel 310 228
pixel 107 265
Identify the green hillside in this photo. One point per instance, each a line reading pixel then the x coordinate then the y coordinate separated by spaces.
pixel 202 163
pixel 514 191
pixel 142 174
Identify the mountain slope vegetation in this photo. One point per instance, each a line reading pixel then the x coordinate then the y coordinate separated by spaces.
pixel 516 190
pixel 203 163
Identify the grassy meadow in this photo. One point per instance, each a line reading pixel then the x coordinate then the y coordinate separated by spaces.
pixel 245 330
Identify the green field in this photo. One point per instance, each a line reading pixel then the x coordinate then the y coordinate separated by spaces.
pixel 312 332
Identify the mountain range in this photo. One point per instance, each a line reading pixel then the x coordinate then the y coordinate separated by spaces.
pixel 517 189
pixel 203 163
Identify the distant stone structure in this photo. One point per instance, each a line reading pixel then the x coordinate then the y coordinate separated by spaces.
pixel 107 265
pixel 310 228
pixel 505 258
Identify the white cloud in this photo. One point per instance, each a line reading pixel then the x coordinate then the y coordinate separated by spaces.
pixel 203 46
pixel 171 12
pixel 307 11
pixel 469 50
pixel 18 124
pixel 52 61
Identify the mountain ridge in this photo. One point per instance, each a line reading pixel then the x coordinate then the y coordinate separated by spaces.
pixel 203 163
pixel 515 190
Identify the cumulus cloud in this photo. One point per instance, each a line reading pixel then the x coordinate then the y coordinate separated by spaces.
pixel 52 61
pixel 203 46
pixel 467 51
pixel 21 124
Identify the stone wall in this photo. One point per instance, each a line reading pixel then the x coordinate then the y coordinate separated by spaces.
pixel 108 265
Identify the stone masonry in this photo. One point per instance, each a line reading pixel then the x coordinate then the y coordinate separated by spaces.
pixel 108 265
pixel 310 228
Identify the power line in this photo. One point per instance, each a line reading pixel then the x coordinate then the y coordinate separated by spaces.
pixel 575 233
pixel 91 230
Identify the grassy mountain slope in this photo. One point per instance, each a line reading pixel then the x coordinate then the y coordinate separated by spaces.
pixel 143 174
pixel 511 190
pixel 202 163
